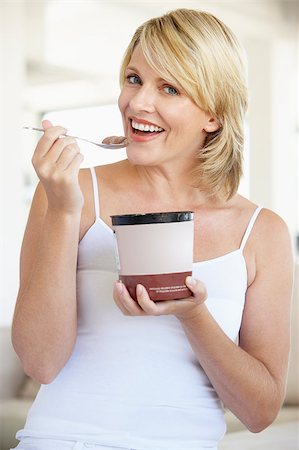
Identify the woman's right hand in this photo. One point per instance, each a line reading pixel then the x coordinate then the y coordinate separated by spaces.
pixel 56 161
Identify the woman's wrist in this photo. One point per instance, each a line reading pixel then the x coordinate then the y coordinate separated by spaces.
pixel 192 316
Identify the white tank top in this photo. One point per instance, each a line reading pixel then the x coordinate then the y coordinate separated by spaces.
pixel 135 381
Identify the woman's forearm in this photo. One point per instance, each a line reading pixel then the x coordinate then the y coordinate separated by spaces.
pixel 44 325
pixel 242 382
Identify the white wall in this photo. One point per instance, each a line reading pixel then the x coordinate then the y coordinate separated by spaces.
pixel 12 76
pixel 273 82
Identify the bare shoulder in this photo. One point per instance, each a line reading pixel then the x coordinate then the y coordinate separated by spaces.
pixel 269 218
pixel 269 229
pixel 269 242
pixel 271 246
pixel 110 180
pixel 271 233
pixel 109 174
pixel 114 174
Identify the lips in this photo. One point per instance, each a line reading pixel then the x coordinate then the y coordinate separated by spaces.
pixel 142 130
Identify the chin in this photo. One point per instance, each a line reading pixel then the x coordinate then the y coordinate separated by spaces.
pixel 133 155
pixel 140 157
pixel 137 160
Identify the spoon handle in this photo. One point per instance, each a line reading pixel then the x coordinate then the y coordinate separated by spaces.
pixel 108 146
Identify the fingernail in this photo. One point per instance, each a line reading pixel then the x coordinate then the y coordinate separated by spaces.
pixel 190 281
pixel 139 289
pixel 118 287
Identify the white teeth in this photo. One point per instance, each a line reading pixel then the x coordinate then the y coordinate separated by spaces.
pixel 142 127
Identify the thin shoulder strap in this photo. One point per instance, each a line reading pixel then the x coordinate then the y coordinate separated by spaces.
pixel 95 192
pixel 250 226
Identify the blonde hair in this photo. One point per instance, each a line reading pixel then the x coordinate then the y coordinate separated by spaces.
pixel 198 52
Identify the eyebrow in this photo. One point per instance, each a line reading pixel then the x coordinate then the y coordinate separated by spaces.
pixel 131 68
pixel 137 71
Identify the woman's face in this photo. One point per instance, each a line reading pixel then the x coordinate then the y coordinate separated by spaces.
pixel 161 122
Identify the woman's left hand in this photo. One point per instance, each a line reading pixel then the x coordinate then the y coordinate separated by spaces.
pixel 183 308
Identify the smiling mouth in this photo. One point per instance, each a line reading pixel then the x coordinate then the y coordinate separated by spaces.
pixel 142 129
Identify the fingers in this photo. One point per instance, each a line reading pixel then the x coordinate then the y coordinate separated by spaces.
pixel 181 308
pixel 55 152
pixel 46 124
pixel 178 307
pixel 144 301
pixel 124 301
pixel 128 306
pixel 63 152
pixel 198 290
pixel 51 135
pixel 58 158
pixel 74 165
pixel 194 305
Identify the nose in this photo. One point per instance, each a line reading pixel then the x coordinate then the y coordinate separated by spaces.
pixel 143 99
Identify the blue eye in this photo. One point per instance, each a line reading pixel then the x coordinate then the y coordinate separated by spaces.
pixel 171 90
pixel 133 79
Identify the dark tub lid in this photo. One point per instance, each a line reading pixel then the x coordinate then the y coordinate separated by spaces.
pixel 162 217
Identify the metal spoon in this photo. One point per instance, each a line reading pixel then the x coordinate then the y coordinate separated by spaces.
pixel 107 146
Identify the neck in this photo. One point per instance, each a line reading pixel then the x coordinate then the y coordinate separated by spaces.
pixel 169 188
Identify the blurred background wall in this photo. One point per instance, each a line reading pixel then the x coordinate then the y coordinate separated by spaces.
pixel 58 57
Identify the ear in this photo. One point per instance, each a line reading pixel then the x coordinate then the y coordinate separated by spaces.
pixel 211 125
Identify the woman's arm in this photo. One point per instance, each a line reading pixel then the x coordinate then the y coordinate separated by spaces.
pixel 44 323
pixel 250 379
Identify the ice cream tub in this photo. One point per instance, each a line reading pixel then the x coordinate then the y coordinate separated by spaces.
pixel 155 250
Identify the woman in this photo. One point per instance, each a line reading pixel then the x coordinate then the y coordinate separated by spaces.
pixel 145 375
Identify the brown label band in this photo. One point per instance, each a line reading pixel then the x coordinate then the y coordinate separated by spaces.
pixel 165 286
